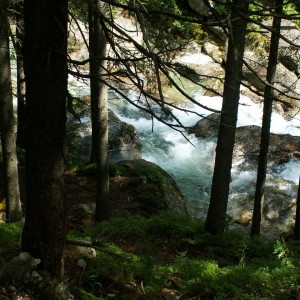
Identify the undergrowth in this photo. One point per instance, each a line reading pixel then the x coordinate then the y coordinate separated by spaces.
pixel 168 256
pixel 171 257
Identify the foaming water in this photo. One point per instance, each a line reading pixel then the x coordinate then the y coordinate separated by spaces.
pixel 289 171
pixel 191 161
pixel 195 59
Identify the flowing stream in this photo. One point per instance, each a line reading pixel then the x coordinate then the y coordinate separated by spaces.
pixel 191 162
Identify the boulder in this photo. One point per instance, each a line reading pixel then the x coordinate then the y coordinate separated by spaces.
pixel 202 64
pixel 124 142
pixel 289 53
pixel 200 7
pixel 151 189
pixel 278 212
pixel 282 148
pixel 213 50
pixel 137 187
pixel 14 271
pixel 287 72
pixel 206 127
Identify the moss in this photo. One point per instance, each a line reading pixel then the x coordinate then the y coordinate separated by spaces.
pixel 115 169
pixel 257 42
pixel 83 295
pixel 10 234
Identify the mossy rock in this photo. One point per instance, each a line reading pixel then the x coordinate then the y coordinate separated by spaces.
pixel 146 188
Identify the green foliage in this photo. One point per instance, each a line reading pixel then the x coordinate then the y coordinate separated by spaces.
pixel 166 225
pixel 208 279
pixel 257 41
pixel 283 253
pixel 177 229
pixel 229 266
pixel 10 235
pixel 120 227
pixel 73 161
pixel 222 8
pixel 83 295
pixel 79 9
pixel 291 10
pixel 115 169
pixel 199 276
pixel 112 261
pixel 167 33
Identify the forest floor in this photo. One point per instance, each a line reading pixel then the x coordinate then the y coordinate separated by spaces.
pixel 81 189
pixel 162 256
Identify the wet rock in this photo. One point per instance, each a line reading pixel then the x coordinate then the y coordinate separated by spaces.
pixel 283 147
pixel 278 212
pixel 124 142
pixel 206 127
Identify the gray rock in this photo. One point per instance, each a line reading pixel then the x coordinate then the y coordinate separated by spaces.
pixel 86 252
pixel 283 147
pixel 287 73
pixel 200 7
pixel 289 52
pixel 212 50
pixel 278 212
pixel 14 271
pixel 124 141
pixel 290 63
pixel 206 127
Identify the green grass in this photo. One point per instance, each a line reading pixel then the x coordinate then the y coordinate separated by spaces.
pixel 229 266
pixel 142 258
pixel 10 235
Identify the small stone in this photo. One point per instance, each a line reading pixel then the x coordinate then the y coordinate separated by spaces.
pixel 87 252
pixel 81 263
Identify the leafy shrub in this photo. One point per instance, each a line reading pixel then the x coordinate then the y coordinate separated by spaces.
pixel 10 235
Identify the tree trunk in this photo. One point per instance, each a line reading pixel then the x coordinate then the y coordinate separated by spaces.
pixel 266 122
pixel 99 110
pixel 7 125
pixel 216 217
pixel 45 65
pixel 20 76
pixel 297 223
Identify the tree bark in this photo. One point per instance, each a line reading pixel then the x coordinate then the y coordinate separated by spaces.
pixel 266 122
pixel 20 76
pixel 7 125
pixel 99 109
pixel 216 217
pixel 45 65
